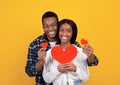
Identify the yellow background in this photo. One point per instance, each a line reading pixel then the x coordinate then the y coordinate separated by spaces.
pixel 98 22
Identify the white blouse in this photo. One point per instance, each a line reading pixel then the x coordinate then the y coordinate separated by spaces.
pixel 52 75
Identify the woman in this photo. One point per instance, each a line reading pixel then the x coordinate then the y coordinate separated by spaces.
pixel 70 72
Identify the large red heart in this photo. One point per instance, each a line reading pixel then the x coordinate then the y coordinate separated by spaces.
pixel 64 56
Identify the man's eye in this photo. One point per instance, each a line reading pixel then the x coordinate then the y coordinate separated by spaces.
pixel 46 26
pixel 54 25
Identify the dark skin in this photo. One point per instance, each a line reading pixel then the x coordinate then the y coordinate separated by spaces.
pixel 40 63
pixel 66 67
pixel 70 66
pixel 50 23
pixel 88 50
pixel 49 27
pixel 65 34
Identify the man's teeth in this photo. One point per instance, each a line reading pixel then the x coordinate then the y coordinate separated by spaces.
pixel 51 32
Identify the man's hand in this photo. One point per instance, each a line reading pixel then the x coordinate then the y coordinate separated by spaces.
pixel 42 54
pixel 88 50
pixel 41 59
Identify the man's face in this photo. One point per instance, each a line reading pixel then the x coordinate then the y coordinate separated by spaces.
pixel 50 27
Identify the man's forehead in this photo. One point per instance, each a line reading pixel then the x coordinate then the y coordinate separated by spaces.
pixel 49 20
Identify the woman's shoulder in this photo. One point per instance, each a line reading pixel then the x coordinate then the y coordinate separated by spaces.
pixel 79 49
pixel 52 48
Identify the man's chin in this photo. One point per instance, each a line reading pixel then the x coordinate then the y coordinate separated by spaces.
pixel 52 37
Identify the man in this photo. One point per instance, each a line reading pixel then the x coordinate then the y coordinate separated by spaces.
pixel 36 54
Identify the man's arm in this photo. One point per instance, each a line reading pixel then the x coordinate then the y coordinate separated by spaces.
pixel 41 59
pixel 88 50
pixel 30 67
pixel 34 62
pixel 93 61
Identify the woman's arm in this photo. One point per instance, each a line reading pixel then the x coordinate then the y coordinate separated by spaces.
pixel 50 69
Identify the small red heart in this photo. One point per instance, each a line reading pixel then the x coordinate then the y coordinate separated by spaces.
pixel 44 44
pixel 84 42
pixel 64 56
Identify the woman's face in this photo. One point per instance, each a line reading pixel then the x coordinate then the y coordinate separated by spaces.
pixel 65 33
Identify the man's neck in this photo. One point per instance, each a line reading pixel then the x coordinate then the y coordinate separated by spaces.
pixel 51 40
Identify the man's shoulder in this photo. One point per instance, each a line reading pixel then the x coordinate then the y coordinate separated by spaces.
pixel 39 39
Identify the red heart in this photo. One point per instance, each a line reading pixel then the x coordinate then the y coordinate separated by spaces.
pixel 64 56
pixel 83 41
pixel 44 44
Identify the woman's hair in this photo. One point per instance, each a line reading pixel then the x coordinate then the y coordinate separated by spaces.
pixel 74 30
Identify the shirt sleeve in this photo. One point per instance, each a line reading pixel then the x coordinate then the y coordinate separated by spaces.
pixel 94 63
pixel 82 71
pixel 50 71
pixel 89 64
pixel 82 74
pixel 31 61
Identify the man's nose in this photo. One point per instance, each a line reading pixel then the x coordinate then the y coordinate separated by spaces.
pixel 50 27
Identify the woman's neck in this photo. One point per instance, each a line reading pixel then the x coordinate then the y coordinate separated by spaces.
pixel 64 45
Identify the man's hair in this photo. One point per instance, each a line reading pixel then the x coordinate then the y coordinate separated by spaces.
pixel 74 30
pixel 49 14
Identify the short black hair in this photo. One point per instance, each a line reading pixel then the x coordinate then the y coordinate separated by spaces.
pixel 49 14
pixel 74 30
